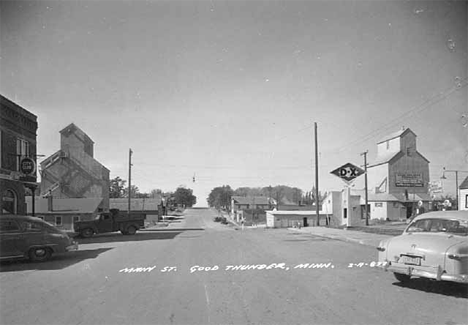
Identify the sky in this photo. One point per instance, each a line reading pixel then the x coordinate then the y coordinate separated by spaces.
pixel 231 91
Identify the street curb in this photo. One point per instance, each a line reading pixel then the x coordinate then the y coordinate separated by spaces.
pixel 340 238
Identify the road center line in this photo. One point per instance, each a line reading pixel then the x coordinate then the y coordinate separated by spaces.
pixel 207 303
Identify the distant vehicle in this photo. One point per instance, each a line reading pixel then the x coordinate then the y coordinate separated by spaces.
pixel 433 246
pixel 114 220
pixel 29 237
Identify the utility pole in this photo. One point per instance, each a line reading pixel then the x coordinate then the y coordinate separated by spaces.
pixel 316 178
pixel 129 178
pixel 365 186
pixel 269 197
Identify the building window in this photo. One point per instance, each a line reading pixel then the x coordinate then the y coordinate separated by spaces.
pixel 58 221
pixel 466 201
pixel 22 150
pixel 379 205
pixel 9 202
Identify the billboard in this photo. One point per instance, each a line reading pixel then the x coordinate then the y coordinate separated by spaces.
pixel 409 180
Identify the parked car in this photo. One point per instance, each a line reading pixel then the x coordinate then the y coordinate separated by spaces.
pixel 111 221
pixel 30 237
pixel 434 246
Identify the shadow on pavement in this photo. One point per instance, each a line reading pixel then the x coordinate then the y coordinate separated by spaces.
pixel 174 218
pixel 380 231
pixel 55 263
pixel 169 229
pixel 156 234
pixel 452 289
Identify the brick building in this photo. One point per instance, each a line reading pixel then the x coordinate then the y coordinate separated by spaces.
pixel 18 133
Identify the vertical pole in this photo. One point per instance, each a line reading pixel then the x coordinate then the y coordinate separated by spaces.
pixel 456 187
pixel 269 197
pixel 348 196
pixel 316 178
pixel 365 186
pixel 129 178
pixel 33 189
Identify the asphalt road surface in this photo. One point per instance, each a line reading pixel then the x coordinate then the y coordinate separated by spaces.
pixel 196 271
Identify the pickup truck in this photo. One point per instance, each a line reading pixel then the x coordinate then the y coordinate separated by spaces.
pixel 115 220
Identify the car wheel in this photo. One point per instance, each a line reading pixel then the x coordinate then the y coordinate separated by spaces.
pixel 131 230
pixel 86 233
pixel 40 254
pixel 402 277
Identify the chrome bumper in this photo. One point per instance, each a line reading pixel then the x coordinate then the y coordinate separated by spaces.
pixel 435 273
pixel 73 247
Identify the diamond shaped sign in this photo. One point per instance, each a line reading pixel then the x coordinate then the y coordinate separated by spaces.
pixel 348 172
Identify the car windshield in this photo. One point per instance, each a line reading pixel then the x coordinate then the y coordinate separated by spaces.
pixel 452 226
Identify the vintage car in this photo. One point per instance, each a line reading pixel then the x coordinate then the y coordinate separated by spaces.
pixel 434 245
pixel 30 237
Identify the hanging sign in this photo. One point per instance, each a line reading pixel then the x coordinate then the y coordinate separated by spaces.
pixel 27 166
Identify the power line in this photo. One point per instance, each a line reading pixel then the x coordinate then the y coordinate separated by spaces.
pixel 425 105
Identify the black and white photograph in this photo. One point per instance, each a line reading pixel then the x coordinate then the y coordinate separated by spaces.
pixel 242 162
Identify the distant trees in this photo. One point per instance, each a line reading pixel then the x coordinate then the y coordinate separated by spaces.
pixel 281 193
pixel 184 196
pixel 220 197
pixel 309 197
pixel 117 188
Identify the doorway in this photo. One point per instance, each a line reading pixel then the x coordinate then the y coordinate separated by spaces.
pixel 409 210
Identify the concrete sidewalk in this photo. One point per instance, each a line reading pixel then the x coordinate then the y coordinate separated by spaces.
pixel 359 237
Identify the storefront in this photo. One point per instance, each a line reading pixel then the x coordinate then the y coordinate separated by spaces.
pixel 18 129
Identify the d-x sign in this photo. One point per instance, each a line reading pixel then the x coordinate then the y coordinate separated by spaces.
pixel 348 172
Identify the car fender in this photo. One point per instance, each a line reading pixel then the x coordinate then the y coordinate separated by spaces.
pixel 51 246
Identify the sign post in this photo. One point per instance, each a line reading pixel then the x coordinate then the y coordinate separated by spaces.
pixel 348 172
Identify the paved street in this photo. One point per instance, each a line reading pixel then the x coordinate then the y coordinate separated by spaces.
pixel 257 276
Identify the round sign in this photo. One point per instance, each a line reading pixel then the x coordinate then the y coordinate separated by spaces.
pixel 420 203
pixel 27 166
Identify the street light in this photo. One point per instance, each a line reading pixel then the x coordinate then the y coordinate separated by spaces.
pixel 456 179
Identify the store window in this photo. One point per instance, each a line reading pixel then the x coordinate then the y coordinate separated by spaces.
pixel 9 202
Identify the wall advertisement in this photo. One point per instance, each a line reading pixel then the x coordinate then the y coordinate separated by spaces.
pixel 409 180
